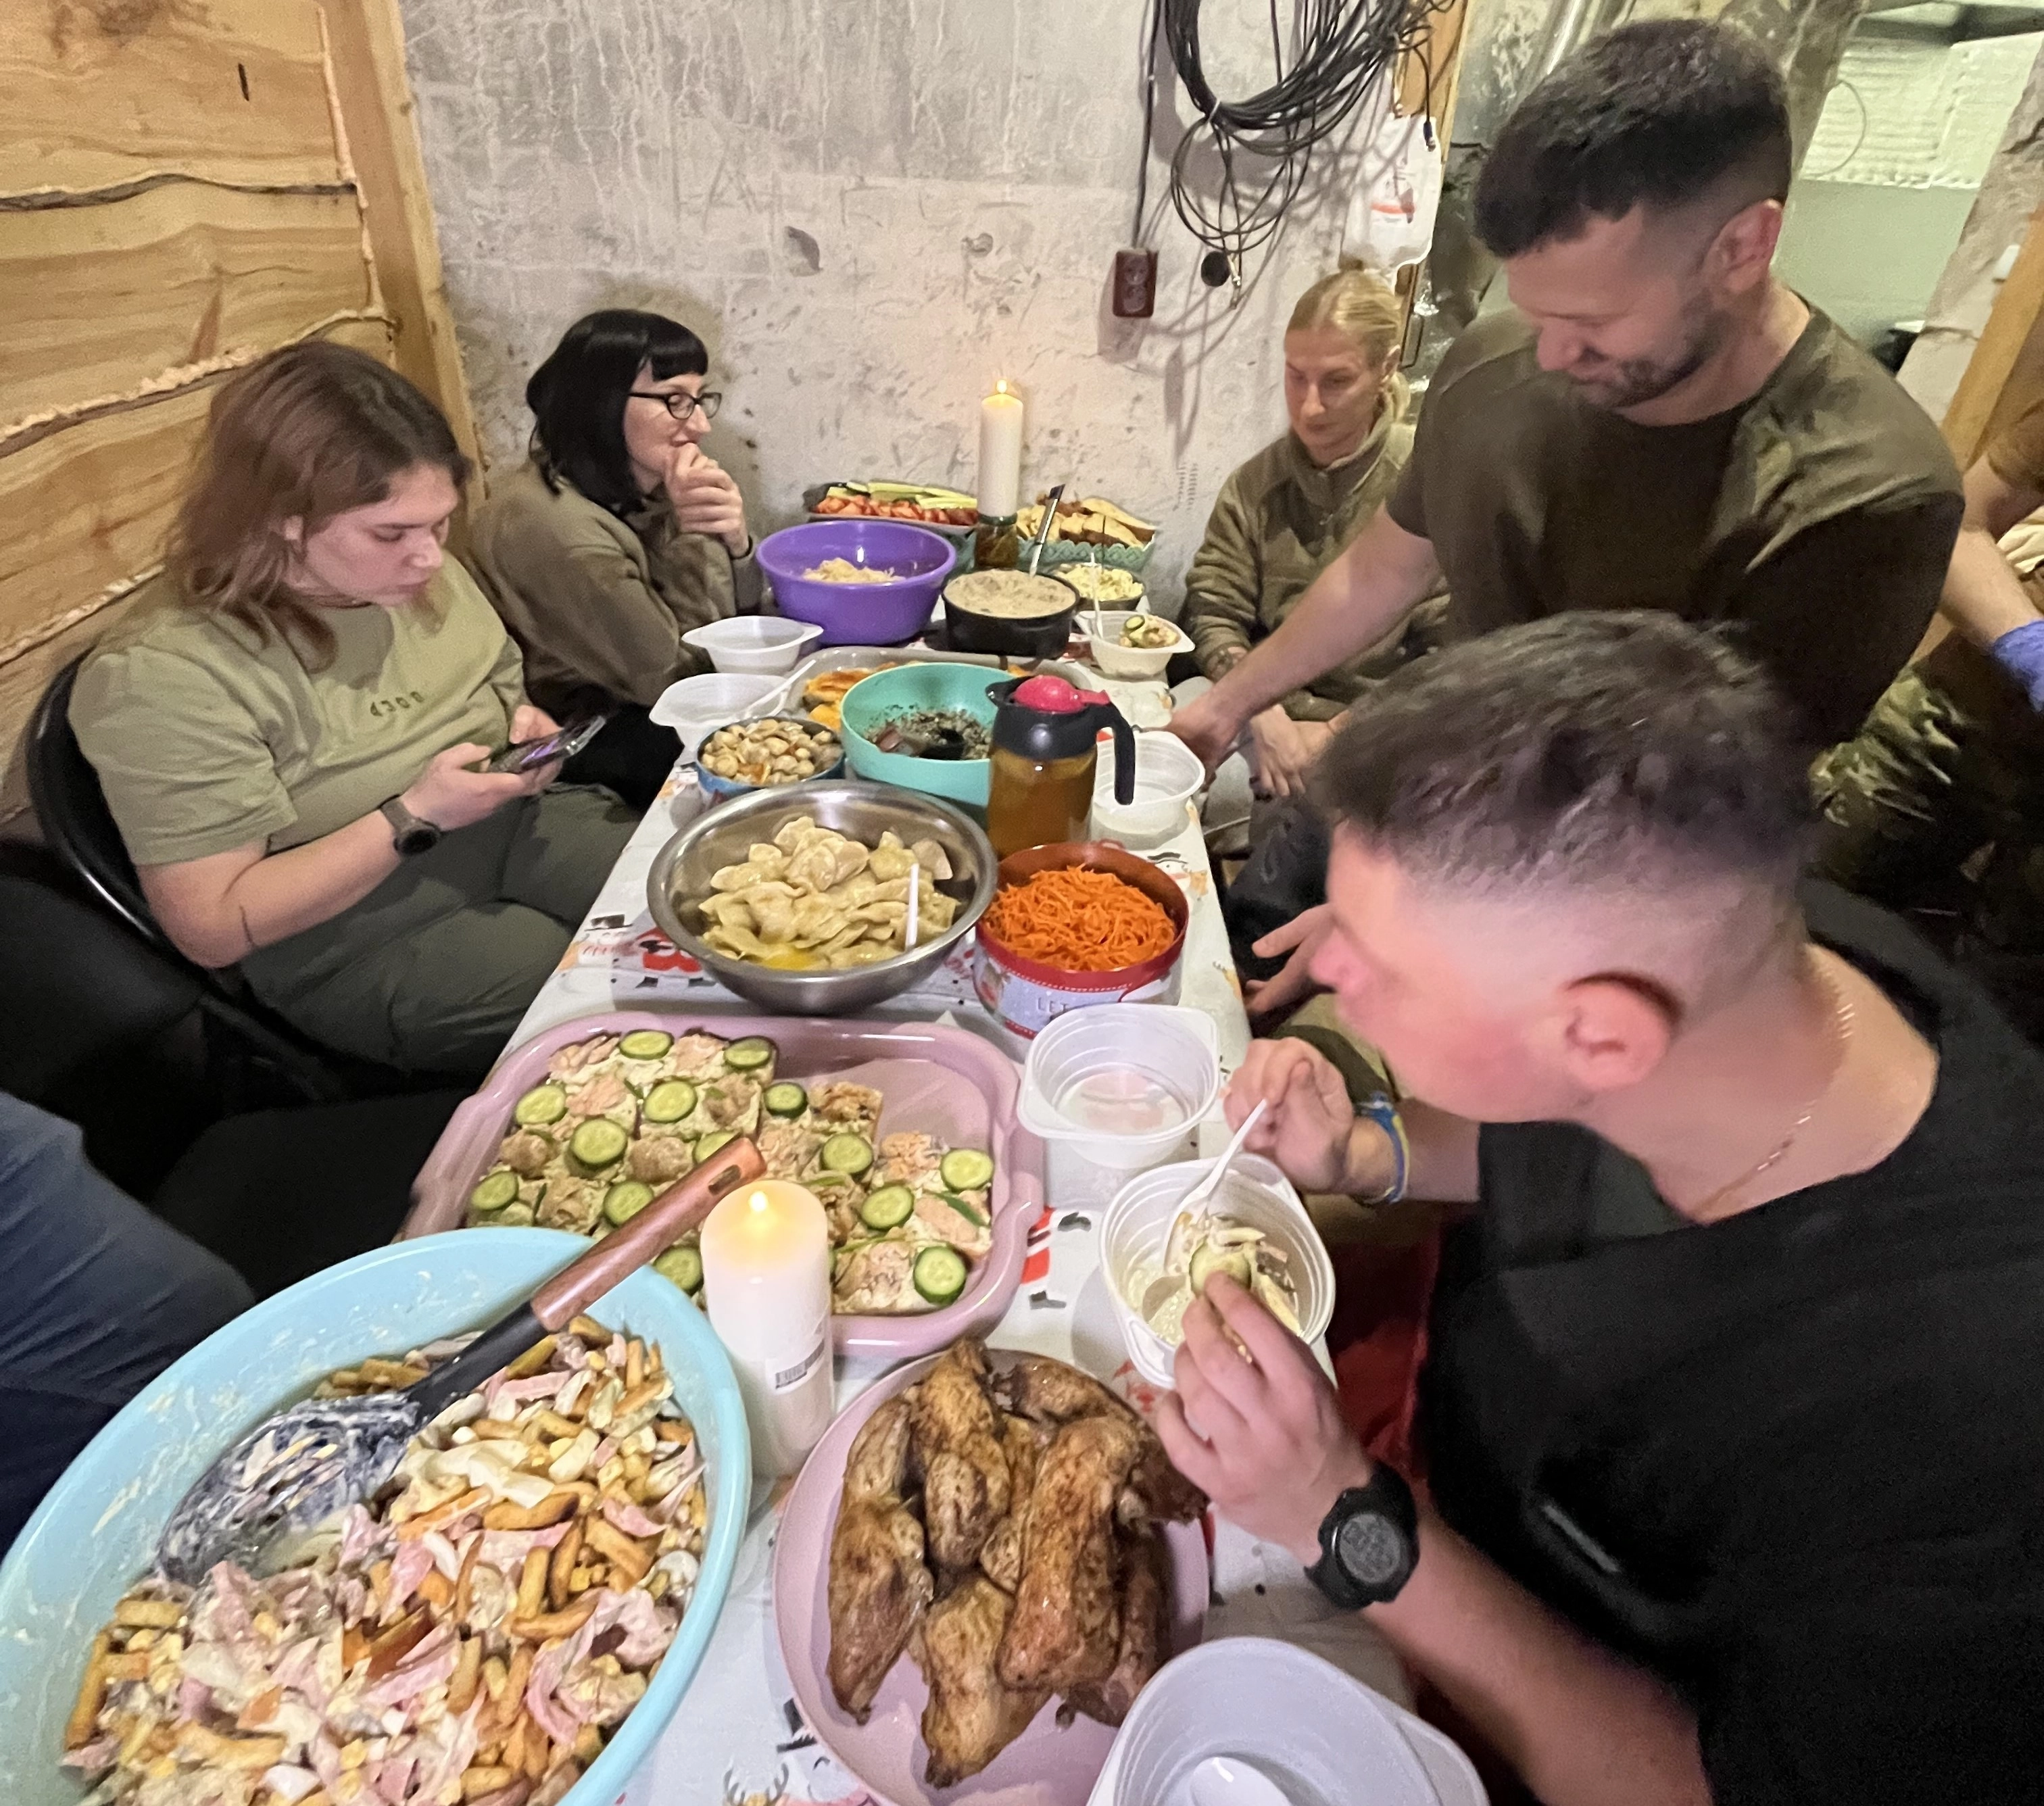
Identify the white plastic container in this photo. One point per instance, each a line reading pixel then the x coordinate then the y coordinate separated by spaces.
pixel 755 644
pixel 1323 1737
pixel 696 704
pixel 1168 776
pixel 1102 632
pixel 1123 1085
pixel 1255 1192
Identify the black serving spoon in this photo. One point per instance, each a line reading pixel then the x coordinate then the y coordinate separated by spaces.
pixel 310 1460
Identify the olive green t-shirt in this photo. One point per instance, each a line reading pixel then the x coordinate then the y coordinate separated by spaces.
pixel 1817 517
pixel 206 739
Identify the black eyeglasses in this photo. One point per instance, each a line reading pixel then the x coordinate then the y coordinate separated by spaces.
pixel 682 406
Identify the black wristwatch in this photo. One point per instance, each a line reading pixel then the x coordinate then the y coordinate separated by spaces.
pixel 410 833
pixel 1370 1542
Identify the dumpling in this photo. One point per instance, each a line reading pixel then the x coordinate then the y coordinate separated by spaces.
pixel 932 857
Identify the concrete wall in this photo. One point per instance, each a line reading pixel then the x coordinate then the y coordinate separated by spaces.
pixel 868 214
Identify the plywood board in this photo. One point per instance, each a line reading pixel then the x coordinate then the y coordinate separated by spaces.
pixel 98 299
pixel 101 92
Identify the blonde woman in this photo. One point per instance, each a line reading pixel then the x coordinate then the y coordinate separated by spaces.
pixel 292 723
pixel 1286 514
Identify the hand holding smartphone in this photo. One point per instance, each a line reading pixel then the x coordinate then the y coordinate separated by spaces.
pixel 529 755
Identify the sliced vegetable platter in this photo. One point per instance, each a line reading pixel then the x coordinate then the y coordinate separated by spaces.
pixel 905 1133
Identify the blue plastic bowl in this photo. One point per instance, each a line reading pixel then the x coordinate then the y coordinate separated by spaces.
pixel 873 701
pixel 859 614
pixel 96 1531
pixel 719 789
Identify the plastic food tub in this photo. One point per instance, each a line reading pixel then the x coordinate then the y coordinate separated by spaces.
pixel 943 1079
pixel 764 645
pixel 1102 629
pixel 1168 776
pixel 1115 1070
pixel 1255 1193
pixel 1025 996
pixel 881 614
pixel 697 706
pixel 95 1533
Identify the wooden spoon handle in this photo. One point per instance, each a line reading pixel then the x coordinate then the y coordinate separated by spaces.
pixel 663 1223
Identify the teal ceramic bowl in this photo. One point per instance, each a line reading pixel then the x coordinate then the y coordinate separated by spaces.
pixel 869 704
pixel 96 1531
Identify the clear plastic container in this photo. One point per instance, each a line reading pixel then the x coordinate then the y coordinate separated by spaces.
pixel 696 704
pixel 755 644
pixel 1323 1737
pixel 1123 1084
pixel 1168 776
pixel 1133 1233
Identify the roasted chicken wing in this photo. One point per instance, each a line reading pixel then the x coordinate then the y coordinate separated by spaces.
pixel 879 1587
pixel 1146 1627
pixel 966 1489
pixel 972 1715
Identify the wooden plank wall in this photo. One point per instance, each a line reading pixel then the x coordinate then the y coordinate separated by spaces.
pixel 179 193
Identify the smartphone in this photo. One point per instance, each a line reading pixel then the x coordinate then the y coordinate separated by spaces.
pixel 529 755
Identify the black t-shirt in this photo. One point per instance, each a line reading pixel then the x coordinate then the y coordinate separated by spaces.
pixel 1816 518
pixel 1793 1460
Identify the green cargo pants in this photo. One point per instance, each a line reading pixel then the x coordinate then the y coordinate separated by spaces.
pixel 431 970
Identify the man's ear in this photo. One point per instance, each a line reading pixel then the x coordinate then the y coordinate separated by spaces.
pixel 1743 250
pixel 1612 1031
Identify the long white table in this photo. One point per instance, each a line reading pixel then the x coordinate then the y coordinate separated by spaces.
pixel 738 1740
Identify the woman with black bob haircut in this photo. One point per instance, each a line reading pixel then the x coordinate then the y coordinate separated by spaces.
pixel 616 537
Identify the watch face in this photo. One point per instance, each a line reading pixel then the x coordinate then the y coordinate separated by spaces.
pixel 1370 1549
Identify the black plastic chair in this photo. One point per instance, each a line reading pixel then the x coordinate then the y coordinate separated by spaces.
pixel 80 829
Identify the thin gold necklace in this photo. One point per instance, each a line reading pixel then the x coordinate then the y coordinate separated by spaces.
pixel 1841 1026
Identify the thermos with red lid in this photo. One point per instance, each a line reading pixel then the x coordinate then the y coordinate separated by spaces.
pixel 1041 790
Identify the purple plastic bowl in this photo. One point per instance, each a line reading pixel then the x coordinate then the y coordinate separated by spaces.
pixel 859 614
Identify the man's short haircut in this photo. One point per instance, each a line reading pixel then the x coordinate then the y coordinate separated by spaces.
pixel 1655 114
pixel 1626 752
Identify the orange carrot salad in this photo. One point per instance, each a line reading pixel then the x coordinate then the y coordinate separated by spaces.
pixel 1080 921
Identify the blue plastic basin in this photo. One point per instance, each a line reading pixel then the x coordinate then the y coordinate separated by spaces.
pixel 96 1531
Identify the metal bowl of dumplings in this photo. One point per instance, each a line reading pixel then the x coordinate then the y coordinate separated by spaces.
pixel 719 877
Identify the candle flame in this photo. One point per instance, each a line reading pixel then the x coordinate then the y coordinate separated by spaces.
pixel 758 1201
pixel 1000 386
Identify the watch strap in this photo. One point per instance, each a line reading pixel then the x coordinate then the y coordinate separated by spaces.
pixel 409 833
pixel 1388 1497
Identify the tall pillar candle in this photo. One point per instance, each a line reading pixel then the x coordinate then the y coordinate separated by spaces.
pixel 1000 453
pixel 766 1256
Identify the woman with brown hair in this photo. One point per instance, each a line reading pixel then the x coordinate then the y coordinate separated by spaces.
pixel 289 725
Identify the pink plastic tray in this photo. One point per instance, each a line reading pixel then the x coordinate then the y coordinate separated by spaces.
pixel 941 1081
pixel 1048 1765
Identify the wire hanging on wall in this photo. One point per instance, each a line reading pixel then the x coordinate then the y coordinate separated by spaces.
pixel 1264 144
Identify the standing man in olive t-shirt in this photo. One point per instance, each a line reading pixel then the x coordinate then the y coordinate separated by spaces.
pixel 1658 422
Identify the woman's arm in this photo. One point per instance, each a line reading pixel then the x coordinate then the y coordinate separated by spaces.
pixel 1219 615
pixel 221 908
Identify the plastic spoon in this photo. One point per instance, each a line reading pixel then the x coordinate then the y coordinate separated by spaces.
pixel 1161 1290
pixel 915 898
pixel 1228 1781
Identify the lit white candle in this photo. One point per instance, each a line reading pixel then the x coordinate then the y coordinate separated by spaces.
pixel 1000 453
pixel 766 1256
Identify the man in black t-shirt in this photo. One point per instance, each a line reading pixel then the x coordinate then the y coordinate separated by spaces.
pixel 1734 1405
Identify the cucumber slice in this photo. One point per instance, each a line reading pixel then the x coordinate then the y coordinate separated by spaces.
pixel 971 1212
pixel 887 1207
pixel 599 1142
pixel 516 1217
pixel 495 1190
pixel 749 1054
pixel 939 1274
pixel 966 1170
pixel 683 1265
pixel 626 1199
pixel 1208 1260
pixel 710 1144
pixel 544 1104
pixel 786 1099
pixel 848 1153
pixel 669 1101
pixel 645 1044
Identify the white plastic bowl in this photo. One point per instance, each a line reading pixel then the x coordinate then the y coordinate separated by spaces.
pixel 1168 776
pixel 1103 634
pixel 1255 1192
pixel 1138 1049
pixel 696 704
pixel 756 645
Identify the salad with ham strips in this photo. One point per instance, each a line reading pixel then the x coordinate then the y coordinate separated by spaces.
pixel 474 1635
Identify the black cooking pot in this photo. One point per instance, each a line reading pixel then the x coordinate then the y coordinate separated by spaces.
pixel 1021 636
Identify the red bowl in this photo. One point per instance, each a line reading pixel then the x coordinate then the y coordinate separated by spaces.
pixel 1095 855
